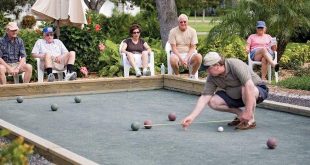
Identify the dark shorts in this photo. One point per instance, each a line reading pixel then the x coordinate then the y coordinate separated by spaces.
pixel 236 103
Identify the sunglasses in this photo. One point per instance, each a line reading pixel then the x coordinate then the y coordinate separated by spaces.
pixel 260 28
pixel 135 33
pixel 49 34
pixel 182 22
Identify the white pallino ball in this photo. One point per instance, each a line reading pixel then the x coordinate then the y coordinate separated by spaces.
pixel 220 129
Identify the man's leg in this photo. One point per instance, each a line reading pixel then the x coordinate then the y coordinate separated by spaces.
pixel 244 95
pixel 2 74
pixel 195 62
pixel 174 62
pixel 219 104
pixel 68 59
pixel 48 64
pixel 27 68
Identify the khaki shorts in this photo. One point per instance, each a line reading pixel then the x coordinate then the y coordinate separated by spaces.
pixel 57 66
pixel 183 55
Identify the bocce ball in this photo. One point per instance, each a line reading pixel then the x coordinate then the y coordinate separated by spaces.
pixel 19 99
pixel 54 107
pixel 220 129
pixel 172 116
pixel 77 99
pixel 272 143
pixel 147 124
pixel 135 126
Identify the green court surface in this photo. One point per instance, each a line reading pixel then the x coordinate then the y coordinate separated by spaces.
pixel 98 128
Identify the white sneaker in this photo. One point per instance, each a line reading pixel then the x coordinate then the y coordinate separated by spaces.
pixel 193 77
pixel 70 76
pixel 146 72
pixel 51 77
pixel 138 73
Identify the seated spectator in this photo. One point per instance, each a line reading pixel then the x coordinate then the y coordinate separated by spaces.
pixel 54 55
pixel 261 48
pixel 13 55
pixel 136 45
pixel 183 40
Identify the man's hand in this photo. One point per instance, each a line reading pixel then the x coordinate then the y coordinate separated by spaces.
pixel 13 71
pixel 187 121
pixel 246 116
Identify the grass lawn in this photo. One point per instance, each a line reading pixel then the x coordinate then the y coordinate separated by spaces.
pixel 296 83
pixel 202 26
pixel 201 18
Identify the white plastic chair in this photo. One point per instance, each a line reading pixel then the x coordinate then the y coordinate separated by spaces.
pixel 41 72
pixel 168 50
pixel 16 77
pixel 125 63
pixel 251 64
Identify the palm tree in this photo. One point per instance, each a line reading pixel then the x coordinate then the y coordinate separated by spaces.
pixel 282 17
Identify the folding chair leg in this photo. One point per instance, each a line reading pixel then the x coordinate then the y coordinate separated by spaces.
pixel 16 79
pixel 126 71
pixel 60 76
pixel 269 73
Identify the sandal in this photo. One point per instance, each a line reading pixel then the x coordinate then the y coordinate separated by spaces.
pixel 245 126
pixel 235 122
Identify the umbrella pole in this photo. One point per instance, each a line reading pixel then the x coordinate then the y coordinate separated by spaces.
pixel 57 29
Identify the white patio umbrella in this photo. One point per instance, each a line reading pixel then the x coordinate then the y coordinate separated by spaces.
pixel 61 12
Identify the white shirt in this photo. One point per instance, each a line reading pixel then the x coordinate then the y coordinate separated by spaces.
pixel 55 48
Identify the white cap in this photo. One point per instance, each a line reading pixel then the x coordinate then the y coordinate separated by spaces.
pixel 211 58
pixel 12 26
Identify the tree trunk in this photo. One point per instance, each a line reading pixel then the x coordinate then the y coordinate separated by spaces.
pixel 167 15
pixel 94 5
pixel 281 48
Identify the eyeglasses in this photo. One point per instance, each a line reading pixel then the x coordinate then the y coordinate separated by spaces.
pixel 260 28
pixel 49 34
pixel 210 66
pixel 182 22
pixel 135 33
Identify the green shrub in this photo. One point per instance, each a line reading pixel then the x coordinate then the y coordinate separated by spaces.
pixel 30 37
pixel 110 60
pixel 15 152
pixel 295 55
pixel 3 22
pixel 232 47
pixel 296 83
pixel 28 21
pixel 302 72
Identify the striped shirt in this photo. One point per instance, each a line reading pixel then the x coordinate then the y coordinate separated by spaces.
pixel 11 51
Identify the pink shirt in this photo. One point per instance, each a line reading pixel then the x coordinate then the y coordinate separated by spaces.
pixel 256 41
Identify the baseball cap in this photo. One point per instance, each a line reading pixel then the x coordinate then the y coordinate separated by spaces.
pixel 211 58
pixel 12 26
pixel 48 30
pixel 260 24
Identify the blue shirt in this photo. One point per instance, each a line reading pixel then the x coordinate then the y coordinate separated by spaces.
pixel 12 51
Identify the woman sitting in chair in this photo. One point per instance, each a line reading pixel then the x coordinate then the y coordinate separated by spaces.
pixel 136 45
pixel 261 48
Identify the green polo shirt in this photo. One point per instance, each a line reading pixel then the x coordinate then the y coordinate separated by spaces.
pixel 237 73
